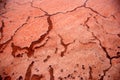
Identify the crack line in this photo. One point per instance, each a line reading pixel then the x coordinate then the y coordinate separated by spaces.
pixel 104 49
pixel 64 45
pixel 51 72
pixel 4 45
pixel 1 29
pixel 32 47
pixel 90 73
pixel 84 6
pixel 29 71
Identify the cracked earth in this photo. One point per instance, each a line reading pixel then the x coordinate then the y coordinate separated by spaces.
pixel 59 40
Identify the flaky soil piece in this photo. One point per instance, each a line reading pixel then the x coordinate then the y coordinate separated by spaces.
pixel 60 40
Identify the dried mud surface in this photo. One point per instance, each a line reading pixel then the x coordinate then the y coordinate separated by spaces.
pixel 59 40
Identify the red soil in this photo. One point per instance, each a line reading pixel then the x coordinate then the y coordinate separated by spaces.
pixel 60 40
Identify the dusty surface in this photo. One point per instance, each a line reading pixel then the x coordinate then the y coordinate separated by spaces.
pixel 60 40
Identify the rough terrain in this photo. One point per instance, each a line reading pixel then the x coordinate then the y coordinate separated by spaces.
pixel 60 40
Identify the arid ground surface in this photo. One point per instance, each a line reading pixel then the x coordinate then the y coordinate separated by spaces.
pixel 60 40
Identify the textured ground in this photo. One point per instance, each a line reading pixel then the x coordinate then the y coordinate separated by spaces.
pixel 60 40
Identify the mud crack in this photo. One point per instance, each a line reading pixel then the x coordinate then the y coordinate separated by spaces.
pixel 104 49
pixel 90 73
pixel 1 29
pixel 36 77
pixel 15 49
pixel 51 72
pixel 69 11
pixel 28 72
pixel 48 57
pixel 4 45
pixel 31 48
pixel 64 45
pixel 43 43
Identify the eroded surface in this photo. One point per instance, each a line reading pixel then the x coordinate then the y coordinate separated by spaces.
pixel 60 40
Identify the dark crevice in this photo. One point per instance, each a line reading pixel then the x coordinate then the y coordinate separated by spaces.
pixel 56 50
pixel 88 18
pixel 104 31
pixel 83 67
pixel 15 49
pixel 46 13
pixel 1 77
pixel 107 54
pixel 96 20
pixel 90 73
pixel 92 9
pixel 29 71
pixel 118 53
pixel 43 43
pixel 95 11
pixel 1 29
pixel 103 48
pixel 45 60
pixel 64 45
pixel 60 78
pixel 4 45
pixel 31 48
pixel 113 16
pixel 20 78
pixel 118 35
pixel 104 73
pixel 51 72
pixel 115 57
pixel 36 77
pixel 81 6
pixel 87 43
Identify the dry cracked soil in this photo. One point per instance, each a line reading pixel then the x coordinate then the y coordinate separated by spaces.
pixel 59 39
